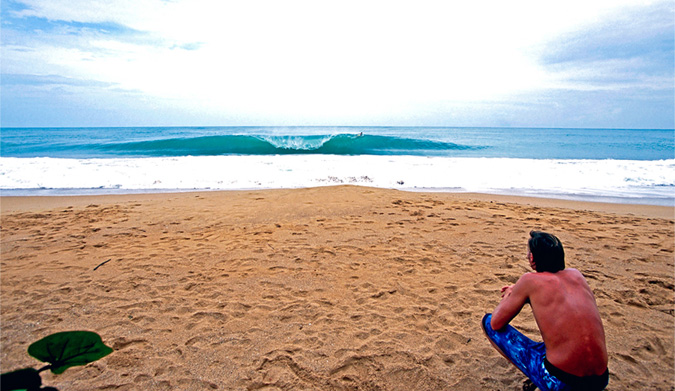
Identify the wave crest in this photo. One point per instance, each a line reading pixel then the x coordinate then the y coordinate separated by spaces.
pixel 340 144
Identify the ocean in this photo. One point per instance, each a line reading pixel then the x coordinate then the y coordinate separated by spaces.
pixel 609 165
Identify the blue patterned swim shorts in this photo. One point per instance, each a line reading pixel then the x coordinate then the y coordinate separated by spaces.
pixel 530 358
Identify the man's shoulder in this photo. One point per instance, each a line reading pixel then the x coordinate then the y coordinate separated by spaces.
pixel 572 270
pixel 542 277
pixel 527 276
pixel 570 273
pixel 536 276
pixel 548 278
pixel 529 279
pixel 537 279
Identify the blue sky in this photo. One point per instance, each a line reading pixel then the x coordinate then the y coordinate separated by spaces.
pixel 605 64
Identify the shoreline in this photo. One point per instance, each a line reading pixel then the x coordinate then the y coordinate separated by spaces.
pixel 13 203
pixel 324 288
pixel 587 180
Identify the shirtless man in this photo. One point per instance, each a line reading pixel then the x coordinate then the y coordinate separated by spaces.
pixel 573 355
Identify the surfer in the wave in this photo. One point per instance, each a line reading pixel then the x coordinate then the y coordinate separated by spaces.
pixel 573 355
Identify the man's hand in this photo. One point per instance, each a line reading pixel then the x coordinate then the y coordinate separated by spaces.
pixel 506 290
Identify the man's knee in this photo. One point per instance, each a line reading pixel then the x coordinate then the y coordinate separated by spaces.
pixel 485 324
pixel 487 329
pixel 491 335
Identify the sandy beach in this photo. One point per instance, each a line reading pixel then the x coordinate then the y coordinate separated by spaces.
pixel 334 288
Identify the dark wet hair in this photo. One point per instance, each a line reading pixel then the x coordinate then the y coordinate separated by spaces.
pixel 547 251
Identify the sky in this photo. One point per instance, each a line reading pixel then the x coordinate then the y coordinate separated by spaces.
pixel 574 63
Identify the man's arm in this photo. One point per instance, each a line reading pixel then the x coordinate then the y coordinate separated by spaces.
pixel 514 297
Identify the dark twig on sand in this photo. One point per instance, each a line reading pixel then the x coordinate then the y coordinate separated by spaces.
pixel 102 263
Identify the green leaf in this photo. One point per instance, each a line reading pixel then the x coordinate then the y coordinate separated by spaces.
pixel 23 379
pixel 69 348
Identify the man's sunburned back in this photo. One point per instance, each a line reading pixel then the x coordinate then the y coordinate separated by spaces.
pixel 567 315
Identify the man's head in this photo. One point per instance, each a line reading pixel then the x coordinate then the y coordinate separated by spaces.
pixel 546 252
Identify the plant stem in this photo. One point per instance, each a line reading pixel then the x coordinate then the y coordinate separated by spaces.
pixel 44 368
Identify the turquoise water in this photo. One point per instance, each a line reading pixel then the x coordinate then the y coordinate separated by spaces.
pixel 139 142
pixel 615 165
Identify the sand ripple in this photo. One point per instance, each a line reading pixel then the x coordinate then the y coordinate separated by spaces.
pixel 342 288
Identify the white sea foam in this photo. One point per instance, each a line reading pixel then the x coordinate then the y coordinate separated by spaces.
pixel 297 142
pixel 649 181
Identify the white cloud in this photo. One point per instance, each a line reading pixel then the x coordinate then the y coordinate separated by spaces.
pixel 607 75
pixel 353 58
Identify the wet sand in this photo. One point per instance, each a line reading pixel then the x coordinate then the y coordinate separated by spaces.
pixel 336 288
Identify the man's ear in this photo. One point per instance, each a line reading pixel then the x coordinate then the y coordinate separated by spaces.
pixel 533 265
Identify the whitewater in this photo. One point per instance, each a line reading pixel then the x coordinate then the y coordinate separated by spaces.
pixel 632 166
